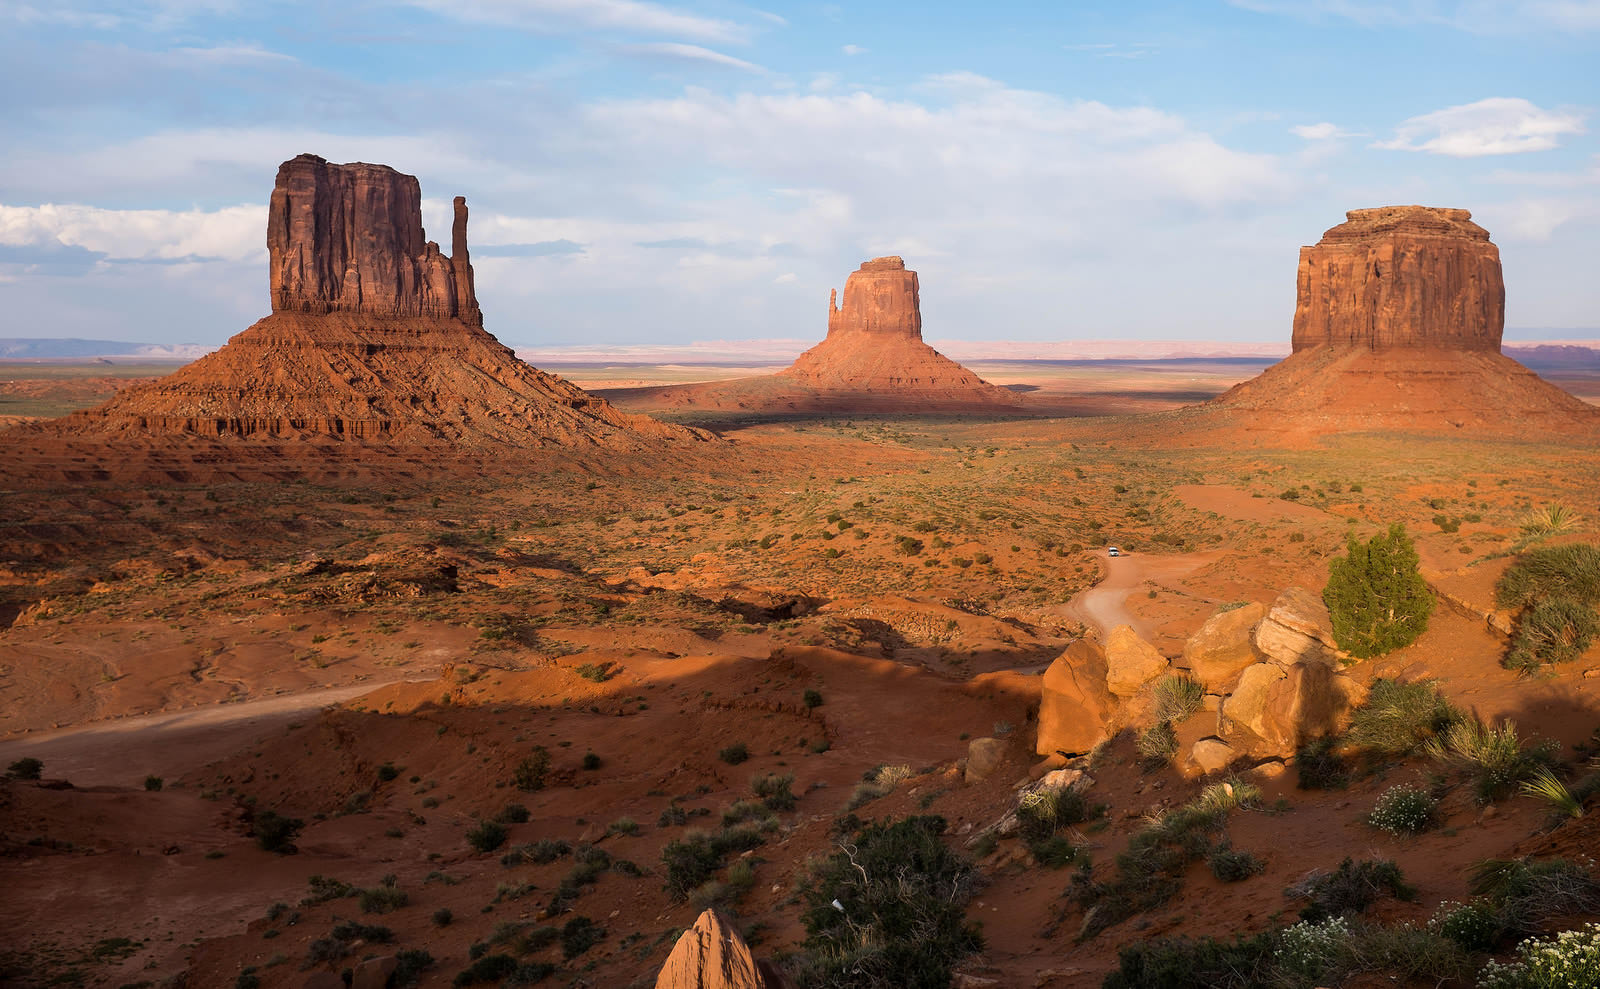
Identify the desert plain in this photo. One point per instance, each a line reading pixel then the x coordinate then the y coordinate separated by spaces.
pixel 295 700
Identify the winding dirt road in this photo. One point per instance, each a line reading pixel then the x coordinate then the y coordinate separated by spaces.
pixel 1105 605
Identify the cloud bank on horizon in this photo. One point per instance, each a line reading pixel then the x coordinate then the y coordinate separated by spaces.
pixel 653 173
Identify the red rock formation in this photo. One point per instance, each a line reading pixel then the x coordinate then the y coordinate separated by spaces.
pixel 880 298
pixel 872 360
pixel 348 238
pixel 1401 276
pixel 1397 327
pixel 712 955
pixel 374 335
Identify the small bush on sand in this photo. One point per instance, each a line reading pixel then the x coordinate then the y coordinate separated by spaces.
pixel 1399 718
pixel 1570 959
pixel 26 768
pixel 901 914
pixel 531 772
pixel 1318 766
pixel 1352 888
pixel 486 836
pixel 1376 596
pixel 1404 810
pixel 734 754
pixel 276 833
pixel 1494 756
pixel 1178 697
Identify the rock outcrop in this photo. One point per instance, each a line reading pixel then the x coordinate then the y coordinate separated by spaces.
pixel 712 955
pixel 874 354
pixel 1074 705
pixel 1298 629
pixel 1131 662
pixel 872 360
pixel 1397 326
pixel 1401 277
pixel 1223 647
pixel 348 238
pixel 375 335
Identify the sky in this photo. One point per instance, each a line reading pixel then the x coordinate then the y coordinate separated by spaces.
pixel 684 173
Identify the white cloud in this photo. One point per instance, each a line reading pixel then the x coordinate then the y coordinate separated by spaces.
pixel 853 50
pixel 1321 132
pixel 233 233
pixel 1495 126
pixel 234 54
pixel 1475 16
pixel 787 278
pixel 627 16
pixel 690 53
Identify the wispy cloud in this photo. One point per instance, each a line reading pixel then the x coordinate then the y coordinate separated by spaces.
pixel 853 50
pixel 1474 16
pixel 1495 126
pixel 623 16
pixel 1322 132
pixel 156 236
pixel 680 52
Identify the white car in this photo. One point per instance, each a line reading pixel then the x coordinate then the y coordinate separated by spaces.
pixel 1113 551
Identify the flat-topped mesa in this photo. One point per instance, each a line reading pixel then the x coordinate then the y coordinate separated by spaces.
pixel 880 298
pixel 349 238
pixel 1395 277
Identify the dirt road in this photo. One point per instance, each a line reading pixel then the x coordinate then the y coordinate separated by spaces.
pixel 1105 605
pixel 124 751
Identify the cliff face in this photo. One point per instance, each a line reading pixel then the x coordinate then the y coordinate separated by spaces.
pixel 348 238
pixel 374 336
pixel 1401 277
pixel 880 298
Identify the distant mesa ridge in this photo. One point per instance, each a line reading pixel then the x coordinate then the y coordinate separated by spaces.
pixel 374 335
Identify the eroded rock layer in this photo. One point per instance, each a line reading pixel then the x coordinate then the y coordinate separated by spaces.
pixel 1401 277
pixel 375 335
pixel 1398 327
pixel 348 238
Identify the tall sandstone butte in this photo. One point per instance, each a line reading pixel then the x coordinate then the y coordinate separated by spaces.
pixel 1397 325
pixel 1401 277
pixel 348 238
pixel 374 334
pixel 874 356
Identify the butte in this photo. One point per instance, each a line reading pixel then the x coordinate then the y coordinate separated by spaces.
pixel 1397 327
pixel 872 360
pixel 375 340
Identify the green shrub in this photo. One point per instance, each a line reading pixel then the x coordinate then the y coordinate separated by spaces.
pixel 1376 596
pixel 1474 926
pixel 1232 866
pixel 154 783
pixel 1352 888
pixel 1399 718
pixel 487 836
pixel 1318 766
pixel 443 916
pixel 1312 950
pixel 734 754
pixel 409 966
pixel 1571 571
pixel 1569 960
pixel 1178 697
pixel 513 813
pixel 488 968
pixel 276 833
pixel 1404 810
pixel 775 791
pixel 579 935
pixel 908 546
pixel 1158 743
pixel 903 895
pixel 811 699
pixel 531 772
pixel 1528 894
pixel 382 899
pixel 350 930
pixel 1182 963
pixel 1554 630
pixel 591 761
pixel 26 768
pixel 1495 756
pixel 690 861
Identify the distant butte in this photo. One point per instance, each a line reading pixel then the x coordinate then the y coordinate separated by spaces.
pixel 375 335
pixel 1397 326
pixel 872 360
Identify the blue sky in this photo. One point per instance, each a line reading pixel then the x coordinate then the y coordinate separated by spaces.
pixel 666 173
